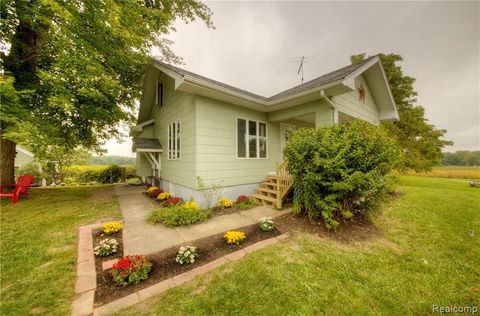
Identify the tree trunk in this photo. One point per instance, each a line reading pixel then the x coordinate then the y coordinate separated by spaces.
pixel 7 161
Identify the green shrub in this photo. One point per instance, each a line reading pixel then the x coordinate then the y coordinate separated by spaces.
pixel 111 174
pixel 33 168
pixel 177 215
pixel 129 171
pixel 340 171
pixel 81 174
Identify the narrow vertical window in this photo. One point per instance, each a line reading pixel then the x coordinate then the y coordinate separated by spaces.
pixel 177 146
pixel 174 143
pixel 159 94
pixel 252 139
pixel 262 140
pixel 241 136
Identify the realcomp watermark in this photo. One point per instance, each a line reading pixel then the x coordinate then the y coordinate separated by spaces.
pixel 454 309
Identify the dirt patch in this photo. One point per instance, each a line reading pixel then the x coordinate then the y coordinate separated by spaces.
pixel 165 266
pixel 60 249
pixel 102 195
pixel 348 231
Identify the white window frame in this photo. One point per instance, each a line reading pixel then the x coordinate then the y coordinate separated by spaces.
pixel 174 153
pixel 247 142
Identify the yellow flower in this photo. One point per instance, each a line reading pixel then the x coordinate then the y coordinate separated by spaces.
pixel 111 227
pixel 234 237
pixel 151 189
pixel 191 205
pixel 225 203
pixel 163 196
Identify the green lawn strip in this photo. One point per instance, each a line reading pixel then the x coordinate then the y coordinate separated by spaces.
pixel 38 247
pixel 427 255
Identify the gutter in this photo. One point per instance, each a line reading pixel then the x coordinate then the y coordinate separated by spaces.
pixel 330 104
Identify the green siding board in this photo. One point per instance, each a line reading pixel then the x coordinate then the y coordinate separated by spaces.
pixel 350 104
pixel 177 106
pixel 217 140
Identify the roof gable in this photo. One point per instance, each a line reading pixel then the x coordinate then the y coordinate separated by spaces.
pixel 338 81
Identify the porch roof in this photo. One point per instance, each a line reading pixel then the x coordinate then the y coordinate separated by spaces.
pixel 146 144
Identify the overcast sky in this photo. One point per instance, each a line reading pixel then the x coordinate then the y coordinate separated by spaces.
pixel 254 46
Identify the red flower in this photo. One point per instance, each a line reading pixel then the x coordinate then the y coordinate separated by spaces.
pixel 174 201
pixel 153 194
pixel 242 199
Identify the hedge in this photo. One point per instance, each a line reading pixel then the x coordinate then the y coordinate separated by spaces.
pixel 96 173
pixel 340 171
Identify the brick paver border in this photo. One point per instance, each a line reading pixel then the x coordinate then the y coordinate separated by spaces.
pixel 87 280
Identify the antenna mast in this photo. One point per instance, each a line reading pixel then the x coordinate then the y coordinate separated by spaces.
pixel 301 67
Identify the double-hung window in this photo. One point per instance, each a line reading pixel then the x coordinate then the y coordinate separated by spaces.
pixel 251 139
pixel 174 141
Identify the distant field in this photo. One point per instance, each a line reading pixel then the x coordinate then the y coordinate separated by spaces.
pixel 461 172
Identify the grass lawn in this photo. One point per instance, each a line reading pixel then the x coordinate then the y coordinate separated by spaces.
pixel 38 246
pixel 428 253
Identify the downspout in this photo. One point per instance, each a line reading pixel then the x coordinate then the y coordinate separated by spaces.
pixel 330 104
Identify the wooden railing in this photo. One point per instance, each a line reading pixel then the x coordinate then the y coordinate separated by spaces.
pixel 284 183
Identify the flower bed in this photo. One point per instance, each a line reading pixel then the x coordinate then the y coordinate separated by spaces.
pixel 98 236
pixel 165 265
pixel 211 248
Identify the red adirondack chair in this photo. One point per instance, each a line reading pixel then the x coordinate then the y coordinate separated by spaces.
pixel 18 189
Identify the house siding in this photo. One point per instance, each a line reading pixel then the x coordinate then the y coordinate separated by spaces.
pixel 349 103
pixel 22 159
pixel 209 139
pixel 216 138
pixel 176 106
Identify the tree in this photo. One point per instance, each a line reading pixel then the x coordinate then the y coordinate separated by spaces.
pixel 74 68
pixel 461 158
pixel 422 142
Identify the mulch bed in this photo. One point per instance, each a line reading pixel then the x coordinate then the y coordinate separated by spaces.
pixel 214 247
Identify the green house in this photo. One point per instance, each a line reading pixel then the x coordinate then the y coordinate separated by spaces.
pixel 191 127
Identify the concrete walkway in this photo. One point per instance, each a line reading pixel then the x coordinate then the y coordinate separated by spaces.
pixel 139 237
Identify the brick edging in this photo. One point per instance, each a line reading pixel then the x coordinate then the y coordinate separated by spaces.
pixel 86 282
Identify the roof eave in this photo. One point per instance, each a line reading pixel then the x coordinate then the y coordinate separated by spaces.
pixel 265 105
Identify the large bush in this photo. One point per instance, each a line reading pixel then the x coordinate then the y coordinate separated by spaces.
pixel 340 171
pixel 78 174
pixel 112 174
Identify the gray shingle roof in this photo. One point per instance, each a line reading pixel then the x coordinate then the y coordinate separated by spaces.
pixel 319 81
pixel 147 143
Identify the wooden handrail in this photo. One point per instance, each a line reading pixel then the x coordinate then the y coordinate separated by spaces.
pixel 284 183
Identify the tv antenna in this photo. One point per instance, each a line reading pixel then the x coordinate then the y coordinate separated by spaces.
pixel 301 67
pixel 303 60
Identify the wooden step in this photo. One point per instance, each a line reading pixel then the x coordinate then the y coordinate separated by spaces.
pixel 269 184
pixel 267 190
pixel 264 198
